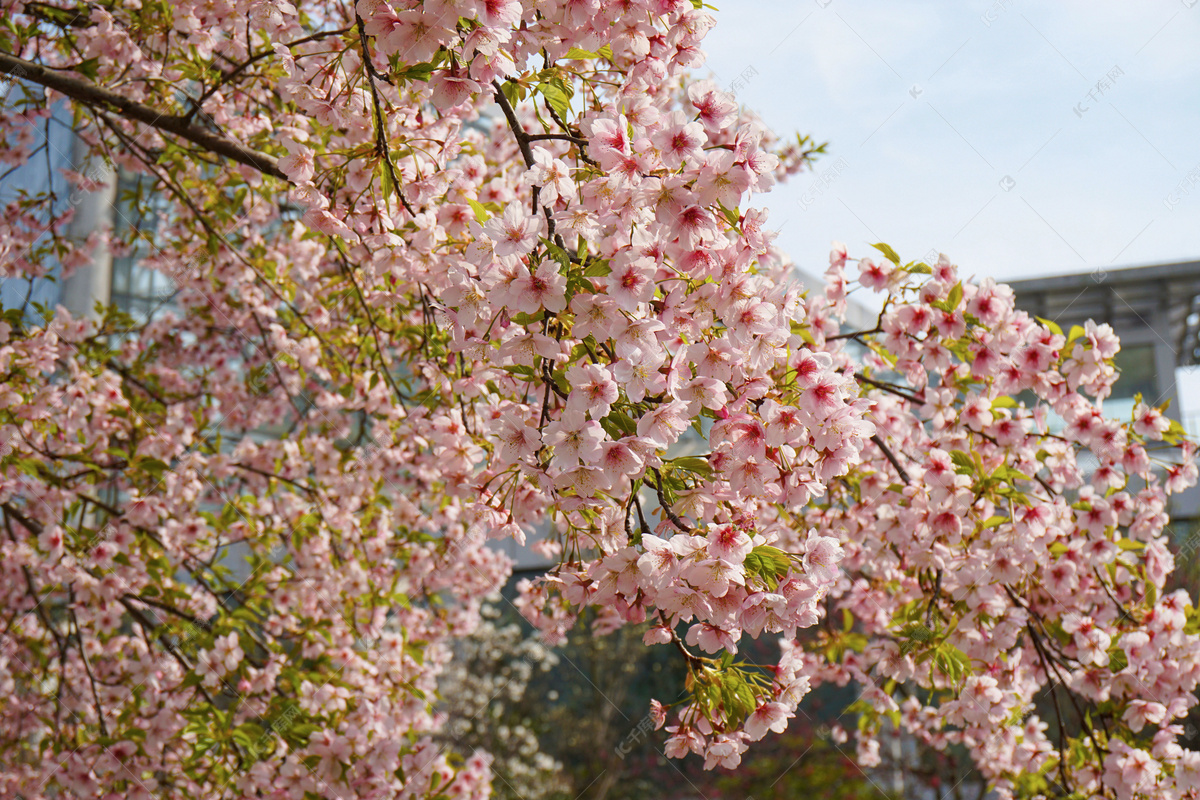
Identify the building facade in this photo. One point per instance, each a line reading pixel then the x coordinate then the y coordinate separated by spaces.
pixel 1155 310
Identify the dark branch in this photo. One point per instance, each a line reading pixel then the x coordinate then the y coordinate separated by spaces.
pixel 666 507
pixel 887 387
pixel 890 457
pixel 102 99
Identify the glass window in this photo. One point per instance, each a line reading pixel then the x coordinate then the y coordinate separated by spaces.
pixel 137 290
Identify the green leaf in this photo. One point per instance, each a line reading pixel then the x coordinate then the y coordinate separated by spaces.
pixel 481 213
pixel 694 464
pixel 597 269
pixel 529 319
pixel 510 89
pixel 89 68
pixel 558 96
pixel 888 252
pixel 917 633
pixel 620 423
pixel 558 254
pixel 576 53
pixel 1004 402
pixel 1076 332
pixel 731 215
pixel 606 51
pixel 1051 324
pixel 1117 660
pixel 768 564
pixel 953 662
pixel 956 296
pixel 416 72
pixel 560 381
pixel 521 370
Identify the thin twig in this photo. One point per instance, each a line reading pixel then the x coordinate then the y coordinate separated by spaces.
pixel 381 140
pixel 666 507
pixel 890 457
pixel 891 388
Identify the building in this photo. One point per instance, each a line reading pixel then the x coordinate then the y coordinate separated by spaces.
pixel 1155 310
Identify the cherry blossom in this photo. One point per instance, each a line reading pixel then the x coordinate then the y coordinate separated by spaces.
pixel 457 272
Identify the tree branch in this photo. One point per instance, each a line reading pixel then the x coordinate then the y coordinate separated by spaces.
pixel 890 457
pixel 381 137
pixel 514 123
pixel 887 387
pixel 92 95
pixel 666 507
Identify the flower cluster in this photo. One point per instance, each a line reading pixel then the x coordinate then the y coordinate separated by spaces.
pixel 452 272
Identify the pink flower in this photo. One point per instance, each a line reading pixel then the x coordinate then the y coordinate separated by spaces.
pixel 1139 770
pixel 299 163
pixel 631 283
pixel 679 140
pixel 724 751
pixel 227 651
pixel 729 543
pixel 545 288
pixel 618 458
pixel 723 181
pixel 574 438
pixel 518 439
pixel 592 389
pixel 451 89
pixel 767 717
pixel 714 107
pixel 711 638
pixel 552 175
pixel 640 376
pixel 609 142
pixel 822 554
pixel 638 338
pixel 595 315
pixel 1149 421
pixel 874 275
pixel 664 424
pixel 703 392
pixel 515 232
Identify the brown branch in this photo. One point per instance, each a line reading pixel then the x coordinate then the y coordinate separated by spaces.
pixel 666 507
pixel 105 100
pixel 87 667
pixel 226 77
pixel 78 17
pixel 381 138
pixel 693 660
pixel 537 137
pixel 890 457
pixel 890 388
pixel 937 590
pixel 853 334
pixel 515 124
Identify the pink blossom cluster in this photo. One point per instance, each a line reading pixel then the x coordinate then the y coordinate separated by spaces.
pixel 453 271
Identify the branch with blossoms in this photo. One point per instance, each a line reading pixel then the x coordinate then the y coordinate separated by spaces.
pixel 268 502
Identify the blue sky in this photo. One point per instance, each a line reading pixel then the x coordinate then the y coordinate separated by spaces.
pixel 1020 139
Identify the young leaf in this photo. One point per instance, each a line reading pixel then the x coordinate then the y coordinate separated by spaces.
pixel 888 252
